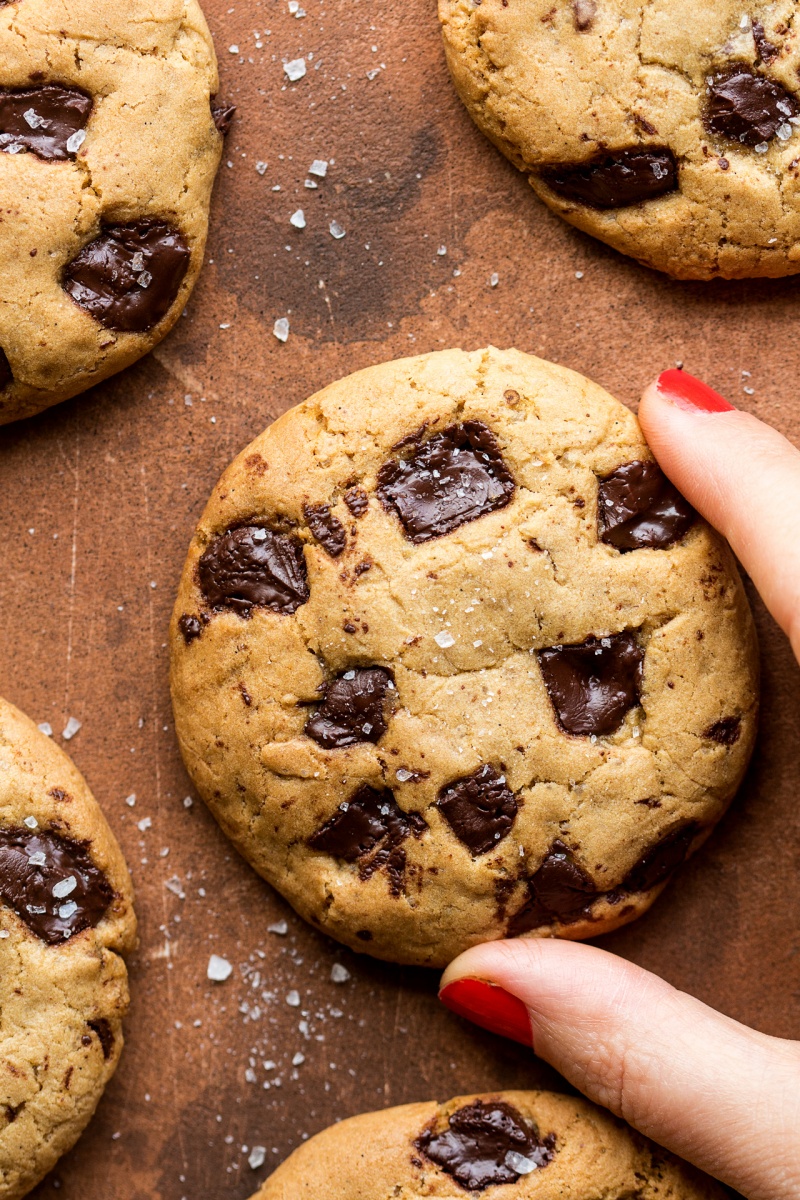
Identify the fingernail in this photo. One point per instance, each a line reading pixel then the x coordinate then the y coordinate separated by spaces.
pixel 489 1006
pixel 690 394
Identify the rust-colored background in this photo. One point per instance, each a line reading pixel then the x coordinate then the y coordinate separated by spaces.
pixel 100 499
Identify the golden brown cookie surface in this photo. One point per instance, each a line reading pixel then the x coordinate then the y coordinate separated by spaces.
pixel 451 660
pixel 667 129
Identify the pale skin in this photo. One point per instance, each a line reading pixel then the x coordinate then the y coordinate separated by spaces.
pixel 722 1096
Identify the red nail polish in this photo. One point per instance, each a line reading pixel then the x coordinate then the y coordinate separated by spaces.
pixel 489 1006
pixel 690 394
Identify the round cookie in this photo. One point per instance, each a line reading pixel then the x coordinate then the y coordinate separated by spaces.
pixel 110 138
pixel 66 920
pixel 668 129
pixel 451 660
pixel 518 1145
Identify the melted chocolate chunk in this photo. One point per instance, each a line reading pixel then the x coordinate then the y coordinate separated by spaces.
pixel 746 107
pixel 6 376
pixel 592 686
pixel 480 809
pixel 352 709
pixel 659 863
pixel 326 528
pixel 222 115
pixel 767 51
pixel 252 567
pixel 560 891
pixel 43 120
pixel 638 507
pixel 191 627
pixel 129 277
pixel 105 1035
pixel 51 883
pixel 584 13
pixel 727 731
pixel 485 1145
pixel 369 829
pixel 617 180
pixel 456 476
pixel 357 501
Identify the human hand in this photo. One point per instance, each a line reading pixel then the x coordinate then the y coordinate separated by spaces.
pixel 722 1096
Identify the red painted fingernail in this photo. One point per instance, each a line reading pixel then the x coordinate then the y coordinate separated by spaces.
pixel 690 394
pixel 489 1006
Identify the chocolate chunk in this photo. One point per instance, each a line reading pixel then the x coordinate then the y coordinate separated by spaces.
pixel 617 180
pixel 357 501
pixel 767 52
pixel 592 686
pixel 326 528
pixel 44 120
pixel 660 862
pixel 51 883
pixel 129 277
pixel 560 891
pixel 456 476
pixel 6 376
pixel 486 1144
pixel 352 709
pixel 638 507
pixel 746 107
pixel 369 829
pixel 105 1035
pixel 252 567
pixel 726 732
pixel 191 627
pixel 480 809
pixel 222 115
pixel 584 13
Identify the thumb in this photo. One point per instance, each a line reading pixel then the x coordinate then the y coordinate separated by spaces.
pixel 720 1095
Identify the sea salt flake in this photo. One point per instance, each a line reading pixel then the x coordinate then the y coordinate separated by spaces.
pixel 257 1157
pixel 65 887
pixel 519 1163
pixel 295 69
pixel 403 775
pixel 298 219
pixel 336 230
pixel 319 167
pixel 280 928
pixel 444 640
pixel 46 728
pixel 281 329
pixel 494 279
pixel 65 911
pixel 70 729
pixel 131 800
pixel 33 119
pixel 261 167
pixel 784 131
pixel 298 1059
pixel 293 999
pixel 762 148
pixel 137 262
pixel 75 142
pixel 145 279
pixel 219 969
pixel 144 824
pixel 37 859
pixel 339 974
pixel 31 823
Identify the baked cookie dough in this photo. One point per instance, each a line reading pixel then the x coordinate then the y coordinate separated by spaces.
pixel 511 1144
pixel 110 138
pixel 66 920
pixel 452 660
pixel 668 129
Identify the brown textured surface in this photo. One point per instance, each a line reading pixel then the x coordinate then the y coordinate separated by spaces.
pixel 106 474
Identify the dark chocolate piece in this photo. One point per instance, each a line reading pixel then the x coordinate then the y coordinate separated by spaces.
pixel 105 1035
pixel 746 107
pixel 222 115
pixel 767 51
pixel 252 567
pixel 486 1144
pixel 6 376
pixel 480 809
pixel 584 13
pixel 659 863
pixel 560 891
pixel 369 829
pixel 357 501
pixel 727 731
pixel 44 120
pixel 617 180
pixel 129 277
pixel 326 528
pixel 638 507
pixel 191 627
pixel 51 883
pixel 455 477
pixel 592 686
pixel 352 709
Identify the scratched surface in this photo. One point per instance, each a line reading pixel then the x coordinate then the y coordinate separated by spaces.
pixel 100 499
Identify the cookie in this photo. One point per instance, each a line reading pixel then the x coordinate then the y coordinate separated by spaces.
pixel 66 921
pixel 110 138
pixel 510 1144
pixel 669 130
pixel 452 660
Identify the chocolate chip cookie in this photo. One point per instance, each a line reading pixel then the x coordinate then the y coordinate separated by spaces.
pixel 66 920
pixel 452 659
pixel 110 138
pixel 514 1144
pixel 668 129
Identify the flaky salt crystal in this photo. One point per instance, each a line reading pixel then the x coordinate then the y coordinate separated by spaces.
pixel 298 219
pixel 295 69
pixel 444 640
pixel 336 230
pixel 219 969
pixel 281 329
pixel 257 1157
pixel 71 728
pixel 75 142
pixel 520 1163
pixel 65 887
pixel 319 167
pixel 339 974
